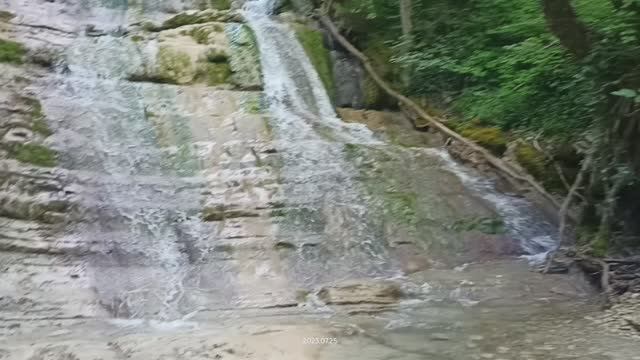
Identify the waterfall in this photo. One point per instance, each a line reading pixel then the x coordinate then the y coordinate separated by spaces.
pixel 300 105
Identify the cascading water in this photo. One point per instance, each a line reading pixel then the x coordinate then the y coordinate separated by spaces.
pixel 300 108
pixel 328 219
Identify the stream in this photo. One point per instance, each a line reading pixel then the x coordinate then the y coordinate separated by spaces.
pixel 192 218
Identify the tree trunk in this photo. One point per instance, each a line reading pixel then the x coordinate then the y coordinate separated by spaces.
pixel 565 25
pixel 406 13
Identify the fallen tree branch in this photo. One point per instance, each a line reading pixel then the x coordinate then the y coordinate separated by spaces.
pixel 564 209
pixel 435 123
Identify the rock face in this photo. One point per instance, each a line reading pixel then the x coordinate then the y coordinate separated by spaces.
pixel 361 292
pixel 349 80
pixel 155 204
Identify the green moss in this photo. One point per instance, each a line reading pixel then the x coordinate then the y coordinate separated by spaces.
pixel 174 65
pixel 486 225
pixel 137 38
pixel 151 27
pixel 244 57
pixel 313 44
pixel 401 206
pixel 531 160
pixel 6 16
pixel 191 18
pixel 252 103
pixel 38 123
pixel 40 126
pixel 34 154
pixel 489 137
pixel 200 35
pixel 220 4
pixel 11 52
pixel 213 73
pixel 217 56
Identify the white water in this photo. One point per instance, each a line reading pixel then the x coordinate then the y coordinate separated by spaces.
pixel 537 236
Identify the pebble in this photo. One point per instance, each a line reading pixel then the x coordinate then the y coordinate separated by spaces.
pixel 487 356
pixel 502 349
pixel 476 337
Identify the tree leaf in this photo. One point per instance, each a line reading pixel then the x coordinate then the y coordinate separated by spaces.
pixel 626 93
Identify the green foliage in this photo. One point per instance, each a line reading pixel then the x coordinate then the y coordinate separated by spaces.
pixel 34 154
pixel 11 52
pixel 313 45
pixel 497 64
pixel 497 61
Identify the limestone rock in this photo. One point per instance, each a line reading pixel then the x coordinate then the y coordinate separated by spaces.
pixel 365 292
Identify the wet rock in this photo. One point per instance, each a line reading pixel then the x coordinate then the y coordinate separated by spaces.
pixel 439 337
pixel 17 135
pixel 373 292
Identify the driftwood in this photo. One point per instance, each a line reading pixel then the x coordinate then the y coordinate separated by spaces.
pixel 494 161
pixel 564 209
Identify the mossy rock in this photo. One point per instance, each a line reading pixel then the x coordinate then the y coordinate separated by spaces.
pixel 216 56
pixel 174 66
pixel 11 52
pixel 244 58
pixel 220 4
pixel 200 34
pixel 33 154
pixel 313 44
pixel 401 206
pixel 38 123
pixel 491 138
pixel 195 17
pixel 252 103
pixel 485 225
pixel 531 160
pixel 214 73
